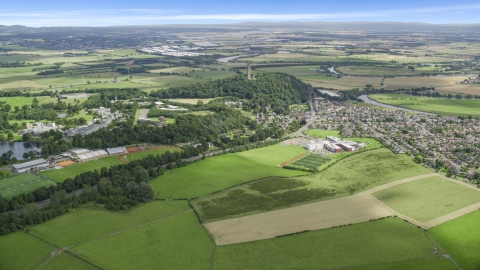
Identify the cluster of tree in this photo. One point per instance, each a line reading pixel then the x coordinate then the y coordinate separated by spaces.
pixel 17 64
pixel 50 72
pixel 131 70
pixel 274 90
pixel 116 188
pixel 7 158
pixel 187 128
pixel 104 99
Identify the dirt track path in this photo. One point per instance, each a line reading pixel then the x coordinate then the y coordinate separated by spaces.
pixel 357 208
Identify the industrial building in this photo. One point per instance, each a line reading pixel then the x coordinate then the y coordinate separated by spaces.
pixel 116 150
pixel 31 165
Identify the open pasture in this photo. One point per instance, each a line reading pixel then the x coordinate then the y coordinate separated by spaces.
pixel 369 244
pixel 23 251
pixel 12 186
pixel 19 101
pixel 346 177
pixel 192 101
pixel 86 224
pixel 66 261
pixel 71 171
pixel 430 104
pixel 221 172
pixel 177 242
pixel 460 238
pixel 428 198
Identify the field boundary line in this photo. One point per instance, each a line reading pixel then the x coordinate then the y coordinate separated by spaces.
pixel 129 229
pixel 291 160
pixel 433 241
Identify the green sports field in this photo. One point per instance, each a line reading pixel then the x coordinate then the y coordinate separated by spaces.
pixel 311 162
pixel 19 101
pixel 319 133
pixel 12 186
pixel 71 171
pixel 430 104
pixel 221 172
pixel 428 198
pixel 461 239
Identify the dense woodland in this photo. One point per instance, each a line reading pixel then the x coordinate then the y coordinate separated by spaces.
pixel 274 90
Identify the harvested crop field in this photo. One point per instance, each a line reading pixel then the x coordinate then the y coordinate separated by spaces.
pixel 409 82
pixel 66 163
pixel 315 216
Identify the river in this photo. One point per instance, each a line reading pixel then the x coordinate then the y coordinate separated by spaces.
pixel 226 59
pixel 367 100
pixel 18 148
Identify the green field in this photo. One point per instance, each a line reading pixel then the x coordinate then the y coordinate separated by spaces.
pixel 19 101
pixel 12 186
pixel 461 239
pixel 23 251
pixel 93 221
pixel 433 105
pixel 71 171
pixel 319 133
pixel 377 71
pixel 66 261
pixel 370 245
pixel 221 172
pixel 428 198
pixel 178 242
pixel 348 176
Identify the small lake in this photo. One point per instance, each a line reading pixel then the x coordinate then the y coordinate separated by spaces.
pixel 18 148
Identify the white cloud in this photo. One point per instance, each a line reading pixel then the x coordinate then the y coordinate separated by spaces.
pixel 154 16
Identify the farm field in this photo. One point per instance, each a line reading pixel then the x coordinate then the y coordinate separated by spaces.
pixel 428 198
pixel 221 172
pixel 19 101
pixel 66 261
pixel 15 185
pixel 86 224
pixel 346 177
pixel 376 71
pixel 16 247
pixel 430 104
pixel 461 239
pixel 192 101
pixel 409 82
pixel 71 171
pixel 472 89
pixel 369 244
pixel 178 242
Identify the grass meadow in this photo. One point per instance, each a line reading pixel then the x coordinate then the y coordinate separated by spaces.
pixel 86 224
pixel 319 133
pixel 371 245
pixel 23 251
pixel 66 261
pixel 428 198
pixel 221 172
pixel 178 242
pixel 460 238
pixel 71 171
pixel 19 101
pixel 430 104
pixel 15 185
pixel 346 177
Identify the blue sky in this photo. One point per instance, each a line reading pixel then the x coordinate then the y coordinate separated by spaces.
pixel 106 13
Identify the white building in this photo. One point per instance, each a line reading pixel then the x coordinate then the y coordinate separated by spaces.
pixel 31 165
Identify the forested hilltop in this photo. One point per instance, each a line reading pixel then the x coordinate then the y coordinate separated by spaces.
pixel 276 90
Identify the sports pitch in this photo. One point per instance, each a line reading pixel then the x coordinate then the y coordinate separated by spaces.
pixel 12 186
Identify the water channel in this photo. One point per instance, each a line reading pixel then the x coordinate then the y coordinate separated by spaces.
pixel 18 148
pixel 367 100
